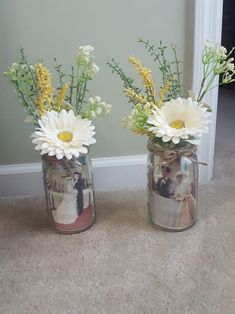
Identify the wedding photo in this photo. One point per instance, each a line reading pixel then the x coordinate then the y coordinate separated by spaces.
pixel 70 194
pixel 174 193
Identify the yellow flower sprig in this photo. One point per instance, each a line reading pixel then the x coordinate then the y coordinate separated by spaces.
pixel 143 132
pixel 59 101
pixel 44 82
pixel 40 105
pixel 146 75
pixel 133 95
pixel 164 90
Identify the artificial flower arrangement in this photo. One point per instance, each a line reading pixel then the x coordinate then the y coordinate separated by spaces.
pixel 167 118
pixel 62 116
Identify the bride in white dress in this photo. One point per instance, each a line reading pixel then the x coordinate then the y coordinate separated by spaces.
pixel 66 212
pixel 184 200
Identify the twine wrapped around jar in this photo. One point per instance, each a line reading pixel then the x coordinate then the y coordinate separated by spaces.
pixel 169 155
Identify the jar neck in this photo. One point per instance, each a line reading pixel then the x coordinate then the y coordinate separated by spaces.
pixel 156 148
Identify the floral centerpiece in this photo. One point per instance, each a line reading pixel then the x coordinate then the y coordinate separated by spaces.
pixel 173 124
pixel 62 118
pixel 166 116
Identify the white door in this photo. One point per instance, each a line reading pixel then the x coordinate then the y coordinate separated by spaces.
pixel 208 26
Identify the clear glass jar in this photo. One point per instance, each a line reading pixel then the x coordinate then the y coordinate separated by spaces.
pixel 69 193
pixel 172 187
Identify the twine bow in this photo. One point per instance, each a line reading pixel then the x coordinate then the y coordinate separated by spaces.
pixel 171 155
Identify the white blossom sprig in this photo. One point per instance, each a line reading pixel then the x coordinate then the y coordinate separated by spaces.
pixel 96 108
pixel 215 61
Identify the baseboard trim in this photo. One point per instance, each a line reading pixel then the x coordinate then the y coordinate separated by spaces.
pixel 110 173
pixel 20 168
pixel 119 161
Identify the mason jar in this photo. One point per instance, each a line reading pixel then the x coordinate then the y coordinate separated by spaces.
pixel 69 193
pixel 172 186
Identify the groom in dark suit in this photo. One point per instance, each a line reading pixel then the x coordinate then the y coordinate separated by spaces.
pixel 79 185
pixel 164 182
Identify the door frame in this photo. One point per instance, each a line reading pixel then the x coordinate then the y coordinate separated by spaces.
pixel 207 26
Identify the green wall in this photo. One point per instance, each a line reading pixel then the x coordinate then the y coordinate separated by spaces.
pixel 49 28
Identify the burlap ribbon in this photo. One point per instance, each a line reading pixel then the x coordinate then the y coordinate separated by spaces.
pixel 170 155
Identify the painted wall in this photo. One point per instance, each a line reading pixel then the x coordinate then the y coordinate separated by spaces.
pixel 49 28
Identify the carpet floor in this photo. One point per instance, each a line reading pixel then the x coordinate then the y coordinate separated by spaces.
pixel 122 264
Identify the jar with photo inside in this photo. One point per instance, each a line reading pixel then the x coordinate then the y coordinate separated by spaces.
pixel 172 187
pixel 69 193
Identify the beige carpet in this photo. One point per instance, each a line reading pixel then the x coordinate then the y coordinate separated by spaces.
pixel 122 264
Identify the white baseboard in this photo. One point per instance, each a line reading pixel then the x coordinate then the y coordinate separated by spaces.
pixel 112 173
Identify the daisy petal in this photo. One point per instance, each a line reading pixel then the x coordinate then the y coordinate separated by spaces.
pixel 166 138
pixel 175 140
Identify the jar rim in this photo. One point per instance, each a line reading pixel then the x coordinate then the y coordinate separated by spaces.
pixel 154 147
pixel 46 157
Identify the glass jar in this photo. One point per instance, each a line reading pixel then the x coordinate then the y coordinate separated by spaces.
pixel 69 193
pixel 172 187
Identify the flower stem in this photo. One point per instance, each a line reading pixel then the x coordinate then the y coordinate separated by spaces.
pixel 71 86
pixel 35 87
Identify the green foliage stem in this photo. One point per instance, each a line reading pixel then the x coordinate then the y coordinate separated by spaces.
pixel 127 81
pixel 169 70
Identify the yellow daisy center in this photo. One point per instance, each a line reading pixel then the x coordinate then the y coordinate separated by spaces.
pixel 65 136
pixel 177 124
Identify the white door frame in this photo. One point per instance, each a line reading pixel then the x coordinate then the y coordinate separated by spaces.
pixel 208 26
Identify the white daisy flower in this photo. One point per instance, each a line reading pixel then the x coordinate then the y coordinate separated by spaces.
pixel 62 134
pixel 179 119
